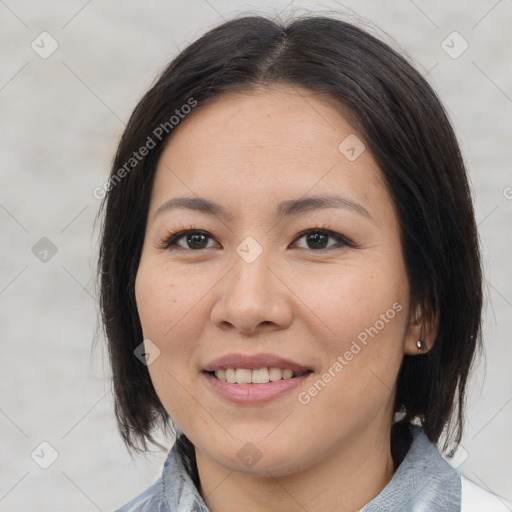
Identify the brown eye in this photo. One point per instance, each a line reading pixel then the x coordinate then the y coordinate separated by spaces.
pixel 318 239
pixel 196 240
pixel 193 240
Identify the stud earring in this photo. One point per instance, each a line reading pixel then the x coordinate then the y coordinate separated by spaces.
pixel 421 345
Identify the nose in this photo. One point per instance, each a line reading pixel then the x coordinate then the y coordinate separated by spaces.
pixel 252 298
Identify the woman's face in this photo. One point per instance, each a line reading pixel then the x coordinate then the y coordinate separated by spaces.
pixel 258 288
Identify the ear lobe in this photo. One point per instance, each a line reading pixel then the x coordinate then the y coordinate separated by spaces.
pixel 422 332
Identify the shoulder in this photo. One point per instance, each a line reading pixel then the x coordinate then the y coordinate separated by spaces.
pixel 476 499
pixel 173 491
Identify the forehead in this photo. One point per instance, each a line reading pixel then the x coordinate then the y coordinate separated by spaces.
pixel 271 143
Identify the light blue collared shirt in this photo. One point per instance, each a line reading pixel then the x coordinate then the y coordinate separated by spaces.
pixel 423 482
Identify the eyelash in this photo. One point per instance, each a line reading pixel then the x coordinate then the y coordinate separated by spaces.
pixel 169 241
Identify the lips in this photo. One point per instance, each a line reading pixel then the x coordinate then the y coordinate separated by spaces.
pixel 253 379
pixel 255 362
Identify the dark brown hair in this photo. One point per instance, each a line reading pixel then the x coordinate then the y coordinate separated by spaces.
pixel 401 121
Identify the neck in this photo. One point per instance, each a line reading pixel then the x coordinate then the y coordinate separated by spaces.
pixel 344 481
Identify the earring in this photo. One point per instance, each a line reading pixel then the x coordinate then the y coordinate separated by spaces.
pixel 421 345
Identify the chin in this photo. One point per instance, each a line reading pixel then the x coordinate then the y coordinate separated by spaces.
pixel 260 459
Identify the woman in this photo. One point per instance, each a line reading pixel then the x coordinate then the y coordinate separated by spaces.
pixel 290 277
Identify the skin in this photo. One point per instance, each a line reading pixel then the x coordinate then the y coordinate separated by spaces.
pixel 248 151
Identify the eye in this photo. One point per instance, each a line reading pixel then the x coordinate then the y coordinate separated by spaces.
pixel 318 239
pixel 191 239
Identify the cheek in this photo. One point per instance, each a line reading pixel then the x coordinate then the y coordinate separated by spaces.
pixel 345 302
pixel 360 315
pixel 163 307
pixel 164 300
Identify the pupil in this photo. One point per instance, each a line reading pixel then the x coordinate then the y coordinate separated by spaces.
pixel 194 239
pixel 318 238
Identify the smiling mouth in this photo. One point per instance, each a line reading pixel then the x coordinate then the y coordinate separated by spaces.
pixel 257 376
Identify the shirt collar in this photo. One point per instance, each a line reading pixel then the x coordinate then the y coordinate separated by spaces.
pixel 423 481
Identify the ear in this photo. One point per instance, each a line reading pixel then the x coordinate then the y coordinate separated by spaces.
pixel 422 327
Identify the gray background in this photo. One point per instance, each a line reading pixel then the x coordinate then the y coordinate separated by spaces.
pixel 60 121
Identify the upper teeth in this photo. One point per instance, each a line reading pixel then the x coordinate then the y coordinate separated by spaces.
pixel 259 376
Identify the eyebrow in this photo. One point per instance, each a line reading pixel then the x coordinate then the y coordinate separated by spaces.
pixel 285 208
